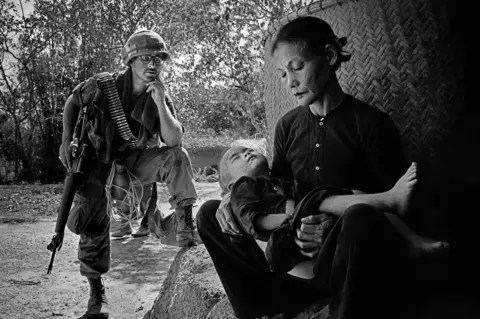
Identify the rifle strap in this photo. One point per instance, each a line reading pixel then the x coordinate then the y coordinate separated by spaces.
pixel 109 88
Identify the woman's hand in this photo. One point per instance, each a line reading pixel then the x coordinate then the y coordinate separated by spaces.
pixel 312 233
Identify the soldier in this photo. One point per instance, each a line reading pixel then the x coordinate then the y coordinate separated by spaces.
pixel 136 143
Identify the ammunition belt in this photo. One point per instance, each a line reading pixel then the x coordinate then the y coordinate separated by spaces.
pixel 115 107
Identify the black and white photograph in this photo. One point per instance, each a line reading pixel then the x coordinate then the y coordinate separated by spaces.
pixel 238 159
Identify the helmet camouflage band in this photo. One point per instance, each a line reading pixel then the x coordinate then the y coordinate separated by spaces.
pixel 144 42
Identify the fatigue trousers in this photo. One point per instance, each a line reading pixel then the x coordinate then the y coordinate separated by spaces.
pixel 89 217
pixel 361 269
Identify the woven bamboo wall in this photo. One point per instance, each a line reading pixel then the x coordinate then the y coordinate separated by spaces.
pixel 408 61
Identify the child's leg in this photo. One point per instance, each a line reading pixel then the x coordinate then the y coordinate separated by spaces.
pixel 394 200
pixel 417 245
pixel 303 269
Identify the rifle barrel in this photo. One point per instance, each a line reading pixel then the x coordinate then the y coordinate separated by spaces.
pixel 50 265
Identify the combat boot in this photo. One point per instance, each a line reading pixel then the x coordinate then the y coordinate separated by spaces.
pixel 125 229
pixel 186 234
pixel 123 213
pixel 97 307
pixel 141 231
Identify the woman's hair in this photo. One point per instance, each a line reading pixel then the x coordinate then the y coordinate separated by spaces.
pixel 310 35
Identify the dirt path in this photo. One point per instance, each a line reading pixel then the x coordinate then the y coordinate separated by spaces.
pixel 139 266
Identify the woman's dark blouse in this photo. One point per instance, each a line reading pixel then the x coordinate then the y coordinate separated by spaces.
pixel 355 146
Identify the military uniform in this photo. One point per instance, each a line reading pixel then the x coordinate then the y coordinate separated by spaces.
pixel 114 158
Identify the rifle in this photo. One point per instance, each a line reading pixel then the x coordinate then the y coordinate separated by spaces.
pixel 79 150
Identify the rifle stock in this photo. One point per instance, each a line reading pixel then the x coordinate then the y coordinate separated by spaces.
pixel 67 199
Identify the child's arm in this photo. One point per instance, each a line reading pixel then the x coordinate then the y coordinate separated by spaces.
pixel 273 221
pixel 270 222
pixel 246 203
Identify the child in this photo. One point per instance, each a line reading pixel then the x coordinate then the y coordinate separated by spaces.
pixel 264 207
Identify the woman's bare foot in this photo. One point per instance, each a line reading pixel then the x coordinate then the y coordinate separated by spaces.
pixel 421 246
pixel 403 189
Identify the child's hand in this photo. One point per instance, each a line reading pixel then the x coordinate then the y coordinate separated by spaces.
pixel 289 207
pixel 225 217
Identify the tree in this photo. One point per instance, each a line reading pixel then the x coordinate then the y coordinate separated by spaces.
pixel 214 77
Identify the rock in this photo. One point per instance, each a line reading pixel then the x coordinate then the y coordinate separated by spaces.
pixel 316 311
pixel 222 310
pixel 193 290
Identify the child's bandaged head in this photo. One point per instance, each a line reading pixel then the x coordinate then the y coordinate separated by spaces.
pixel 259 145
pixel 225 177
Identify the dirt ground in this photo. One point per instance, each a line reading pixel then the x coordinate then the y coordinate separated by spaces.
pixel 27 222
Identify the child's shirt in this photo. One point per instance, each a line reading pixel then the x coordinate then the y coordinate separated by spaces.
pixel 258 196
pixel 253 197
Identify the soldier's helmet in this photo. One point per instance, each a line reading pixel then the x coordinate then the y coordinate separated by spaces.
pixel 144 42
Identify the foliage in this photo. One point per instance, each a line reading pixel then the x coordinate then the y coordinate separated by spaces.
pixel 49 46
pixel 200 176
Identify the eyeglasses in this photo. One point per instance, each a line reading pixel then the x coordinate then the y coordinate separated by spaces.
pixel 146 59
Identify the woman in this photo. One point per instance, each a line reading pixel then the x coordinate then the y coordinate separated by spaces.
pixel 330 138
